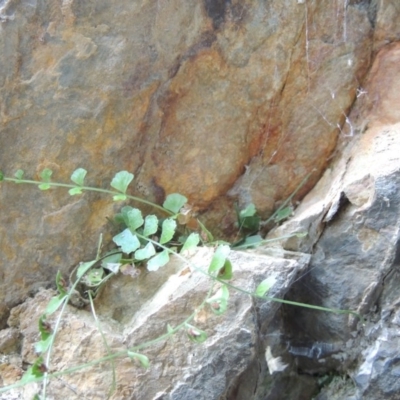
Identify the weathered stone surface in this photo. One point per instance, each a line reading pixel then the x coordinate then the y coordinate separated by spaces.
pixel 196 97
pixel 221 101
pixel 386 17
pixel 353 219
pixel 179 368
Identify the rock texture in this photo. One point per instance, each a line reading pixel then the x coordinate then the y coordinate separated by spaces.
pixel 221 101
pixel 353 219
pixel 179 368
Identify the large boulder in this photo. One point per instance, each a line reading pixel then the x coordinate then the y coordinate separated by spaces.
pixel 222 101
pixel 135 312
pixel 353 219
pixel 225 102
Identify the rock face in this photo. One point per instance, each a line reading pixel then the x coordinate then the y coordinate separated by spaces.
pixel 353 219
pixel 179 368
pixel 221 101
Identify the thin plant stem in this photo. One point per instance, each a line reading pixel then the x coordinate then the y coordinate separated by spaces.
pixel 48 354
pixel 123 353
pixel 56 327
pixel 332 310
pixel 114 378
pixel 89 188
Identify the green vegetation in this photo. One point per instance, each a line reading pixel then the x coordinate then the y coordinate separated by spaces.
pixel 144 240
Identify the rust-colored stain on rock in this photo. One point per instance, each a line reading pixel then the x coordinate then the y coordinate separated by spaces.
pixel 221 102
pixel 198 151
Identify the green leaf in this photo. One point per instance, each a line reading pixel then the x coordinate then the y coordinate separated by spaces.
pixel 44 186
pixel 111 259
pixel 219 302
pixel 145 253
pixel 19 174
pixel 127 241
pixel 135 219
pixel 249 211
pixel 45 175
pixel 124 214
pixel 37 370
pixel 117 220
pixel 150 225
pixel 250 241
pixel 158 261
pixel 248 218
pixel 44 328
pixel 94 277
pixel 191 242
pixel 224 292
pixel 84 267
pixel 144 361
pixel 282 214
pixel 168 230
pixel 265 285
pixel 174 202
pixel 195 334
pixel 1 176
pixel 57 301
pixel 121 181
pixel 60 283
pixel 219 307
pixel 226 271
pixel 120 197
pixel 251 223
pixel 219 258
pixel 78 176
pixel 170 329
pixel 74 191
pixel 43 345
pixel 54 304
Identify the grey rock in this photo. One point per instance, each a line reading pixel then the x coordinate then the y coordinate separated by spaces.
pixel 354 240
pixel 179 369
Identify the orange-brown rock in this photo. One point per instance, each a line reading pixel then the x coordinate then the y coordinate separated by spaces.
pixel 223 102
